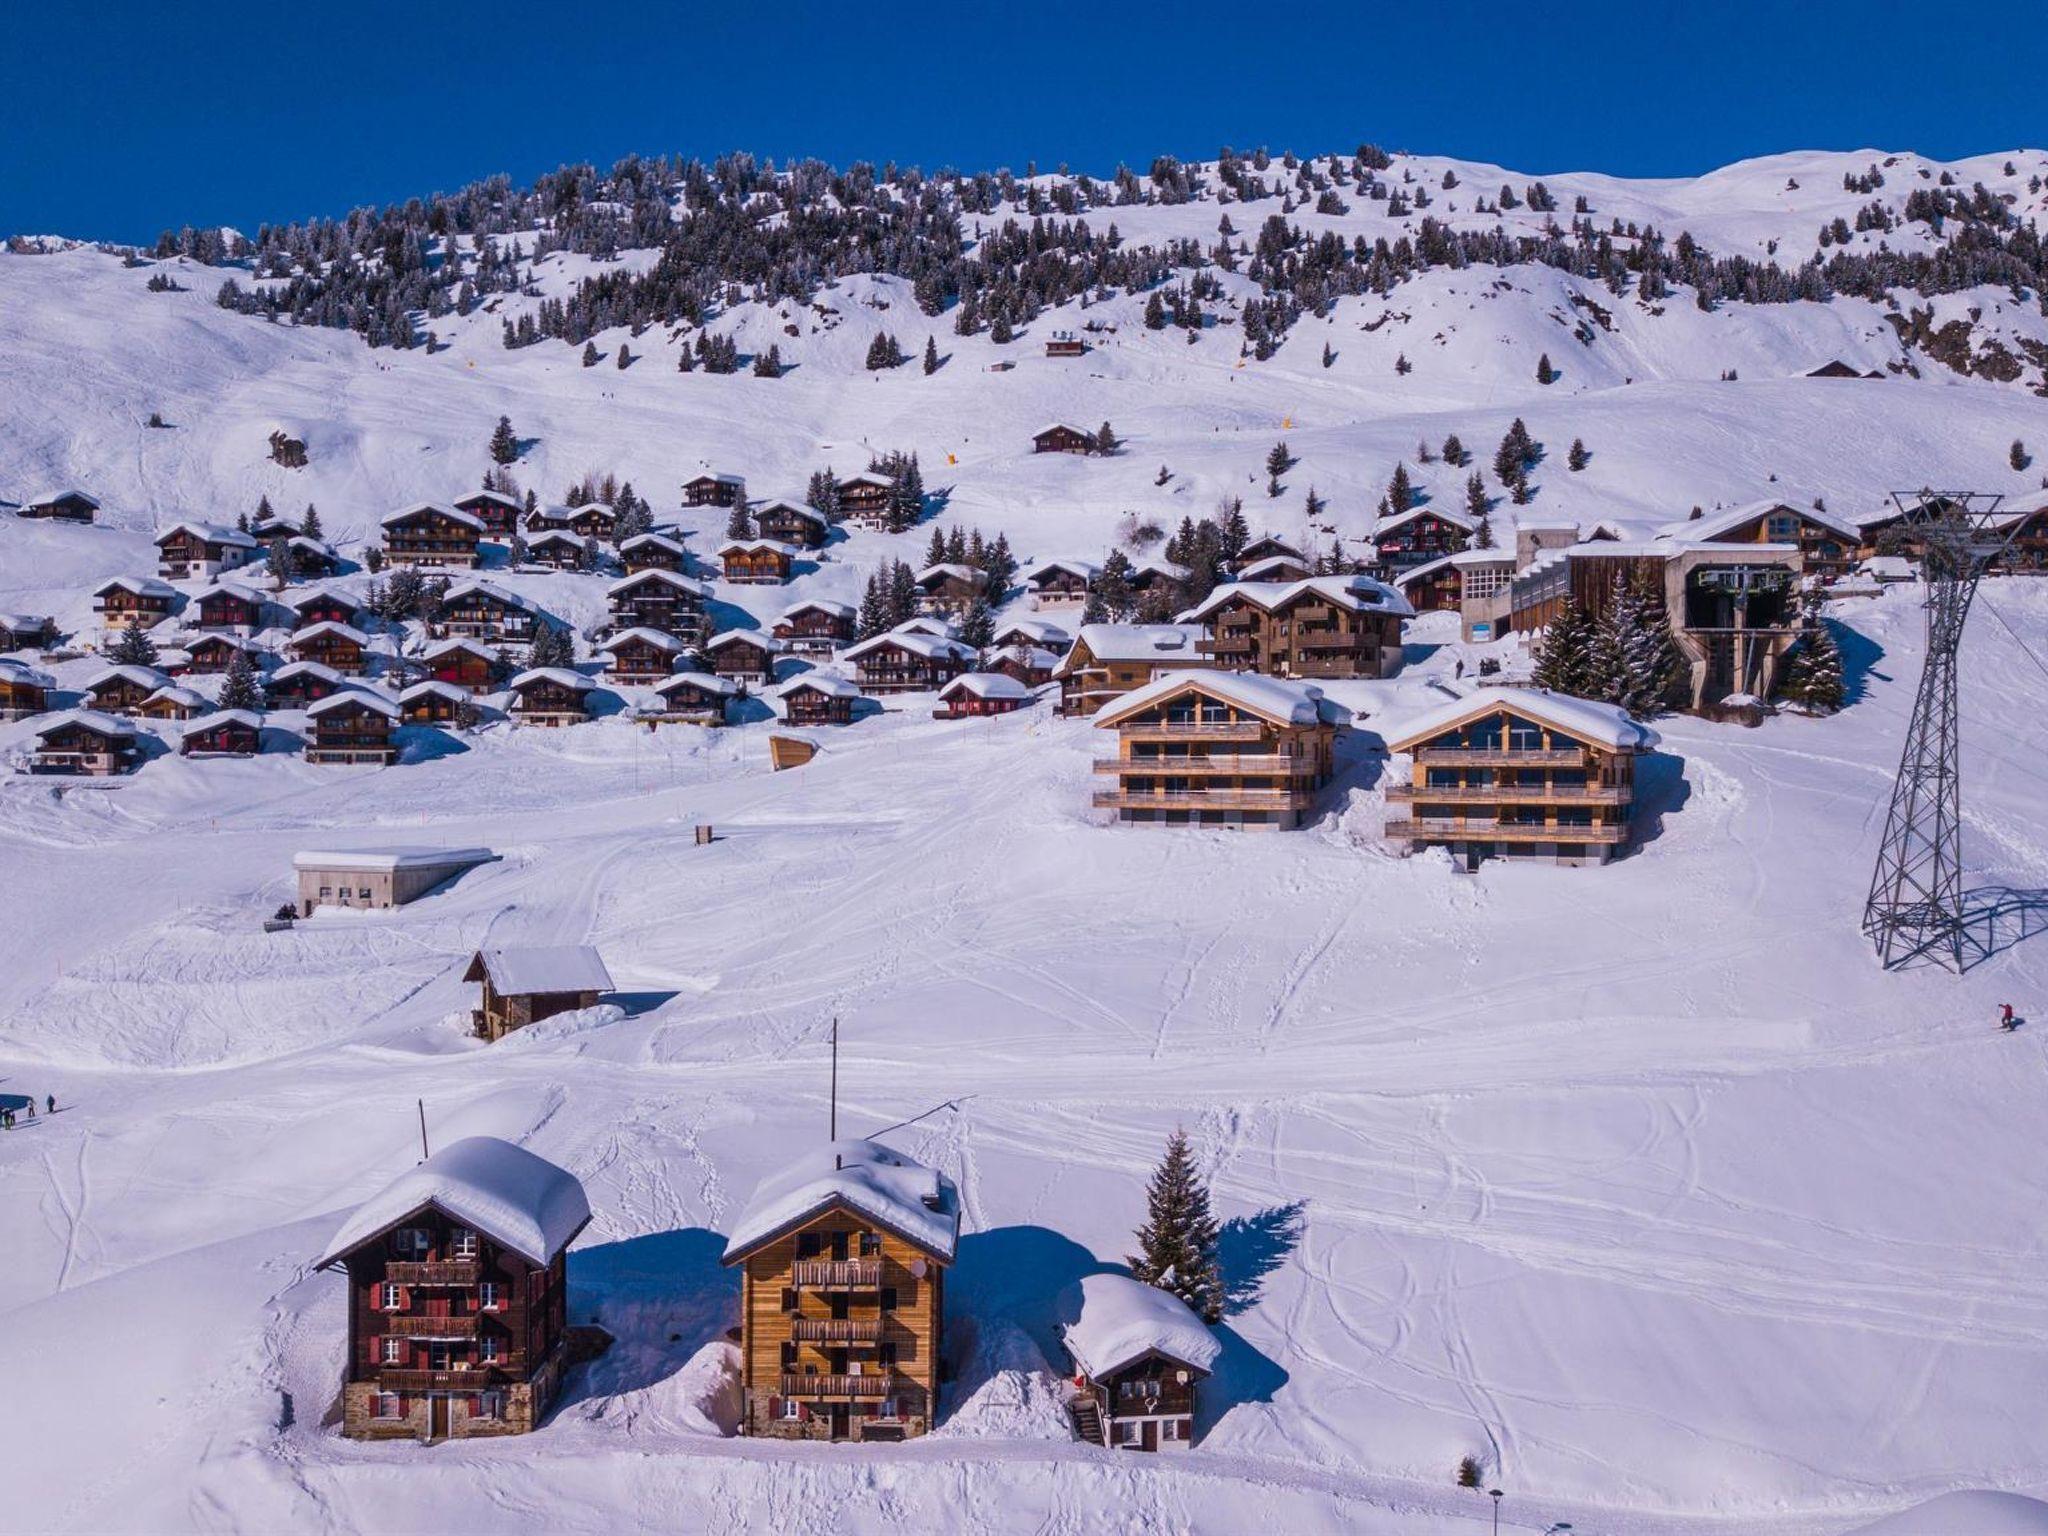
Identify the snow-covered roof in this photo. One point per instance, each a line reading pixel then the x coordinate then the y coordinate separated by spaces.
pixel 1110 1321
pixel 141 586
pixel 986 685
pixel 659 578
pixel 1045 568
pixel 423 508
pixel 326 595
pixel 1061 426
pixel 1274 541
pixel 1277 699
pixel 516 1199
pixel 928 624
pixel 318 669
pixel 819 605
pixel 173 693
pixel 1887 568
pixel 868 477
pixel 63 493
pixel 561 677
pixel 2017 509
pixel 1165 568
pixel 128 672
pixel 325 628
pixel 456 645
pixel 830 684
pixel 705 682
pixel 497 594
pixel 23 675
pixel 756 547
pixel 1272 566
pixel 1137 642
pixel 918 1204
pixel 802 509
pixel 523 970
pixel 498 497
pixel 1586 719
pixel 1712 525
pixel 1669 549
pixel 211 533
pixel 716 479
pixel 23 620
pixel 591 508
pixel 354 698
pixel 1028 655
pixel 1462 560
pixel 660 639
pixel 432 688
pixel 1035 630
pixel 1395 520
pixel 384 860
pixel 931 647
pixel 221 717
pixel 650 540
pixel 92 719
pixel 566 536
pixel 753 637
pixel 954 570
pixel 232 642
pixel 1360 594
pixel 239 591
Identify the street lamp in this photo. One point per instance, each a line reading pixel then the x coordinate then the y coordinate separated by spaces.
pixel 1495 1495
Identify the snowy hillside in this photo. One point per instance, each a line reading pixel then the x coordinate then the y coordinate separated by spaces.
pixel 1642 1185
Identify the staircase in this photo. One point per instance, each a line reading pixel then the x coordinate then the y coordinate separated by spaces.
pixel 1088 1419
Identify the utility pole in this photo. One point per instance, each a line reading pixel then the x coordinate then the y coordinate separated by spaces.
pixel 422 1103
pixel 834 1123
pixel 1496 1495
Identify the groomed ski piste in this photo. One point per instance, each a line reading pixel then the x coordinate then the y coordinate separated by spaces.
pixel 1642 1185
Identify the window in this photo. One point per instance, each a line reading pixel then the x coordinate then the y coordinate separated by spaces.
pixel 788 1355
pixel 394 1350
pixel 1169 1429
pixel 364 893
pixel 490 1405
pixel 387 1405
pixel 806 1245
pixel 888 1298
pixel 1129 1434
pixel 871 1245
pixel 789 1298
pixel 792 1409
pixel 462 1243
pixel 885 1356
pixel 487 1348
pixel 488 1298
pixel 390 1296
pixel 888 1410
pixel 326 890
pixel 411 1242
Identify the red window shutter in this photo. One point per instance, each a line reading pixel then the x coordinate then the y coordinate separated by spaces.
pixel 404 1298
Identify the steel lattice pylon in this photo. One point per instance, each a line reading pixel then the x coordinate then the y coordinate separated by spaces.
pixel 1915 909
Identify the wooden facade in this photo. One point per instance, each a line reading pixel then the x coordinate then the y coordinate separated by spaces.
pixel 338 646
pixel 129 602
pixel 81 742
pixel 63 507
pixel 438 537
pixel 190 551
pixel 463 664
pixel 121 690
pixel 949 590
pixel 172 703
pixel 323 607
pixel 761 562
pixel 1416 537
pixel 1828 548
pixel 352 728
pixel 23 691
pixel 432 703
pixel 216 653
pixel 816 628
pixel 1107 661
pixel 301 684
pixel 908 663
pixel 972 695
pixel 230 610
pixel 694 698
pixel 653 552
pixel 498 512
pixel 234 733
pixel 641 656
pixel 813 701
pixel 550 696
pixel 1330 626
pixel 1204 750
pixel 476 610
pixel 658 599
pixel 558 550
pixel 793 523
pixel 713 490
pixel 27 632
pixel 517 991
pixel 1060 438
pixel 744 655
pixel 865 497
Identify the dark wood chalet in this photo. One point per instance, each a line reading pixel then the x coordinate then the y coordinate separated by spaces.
pixel 1139 1354
pixel 133 602
pixel 230 733
pixel 85 741
pixel 1064 345
pixel 23 691
pixel 65 506
pixel 27 632
pixel 843 1258
pixel 641 655
pixel 865 497
pixel 711 490
pixel 2024 522
pixel 432 535
pixel 592 520
pixel 907 662
pixel 1276 568
pixel 1061 438
pixel 1418 536
pixel 756 561
pixel 193 551
pixel 1061 581
pixel 1042 633
pixel 949 589
pixel 477 610
pixel 458 1318
pixel 792 522
pixel 230 609
pixel 1266 546
pixel 819 698
pixel 323 607
pixel 498 512
pixel 558 549
pixel 299 684
pixel 653 552
pixel 352 727
pixel 216 653
pixel 120 690
pixel 550 696
pixel 692 698
pixel 1327 626
pixel 339 646
pixel 816 627
pixel 1161 580
pixel 462 664
pixel 1030 665
pixel 973 694
pixel 432 703
pixel 661 600
pixel 744 655
pixel 524 985
pixel 313 559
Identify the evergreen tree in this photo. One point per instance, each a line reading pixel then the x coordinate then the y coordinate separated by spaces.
pixel 768 365
pixel 311 523
pixel 874 608
pixel 738 523
pixel 1113 587
pixel 883 352
pixel 1578 458
pixel 1312 506
pixel 1424 454
pixel 2018 457
pixel 1001 565
pixel 978 624
pixel 823 493
pixel 1279 461
pixel 283 565
pixel 1482 532
pixel 1545 374
pixel 590 357
pixel 1094 610
pixel 1236 532
pixel 263 511
pixel 931 355
pixel 1632 660
pixel 504 443
pixel 132 647
pixel 1476 504
pixel 1400 493
pixel 625 357
pixel 999 330
pixel 238 689
pixel 1564 659
pixel 903 594
pixel 1106 441
pixel 1454 452
pixel 956 544
pixel 935 551
pixel 1402 366
pixel 1155 312
pixel 517 553
pixel 1177 1243
pixel 1329 357
pixel 1813 672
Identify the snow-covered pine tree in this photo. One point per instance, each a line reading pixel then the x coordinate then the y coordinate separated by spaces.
pixel 1812 677
pixel 1477 506
pixel 1482 531
pixel 768 365
pixel 1578 458
pixel 935 551
pixel 1177 1243
pixel 874 608
pixel 956 544
pixel 2018 457
pixel 1545 374
pixel 1001 564
pixel 1454 452
pixel 310 524
pixel 504 443
pixel 1564 659
pixel 283 564
pixel 1106 440
pixel 1113 587
pixel 1278 461
pixel 133 648
pixel 738 523
pixel 590 355
pixel 903 594
pixel 238 688
pixel 823 493
pixel 978 624
pixel 1401 364
pixel 1632 656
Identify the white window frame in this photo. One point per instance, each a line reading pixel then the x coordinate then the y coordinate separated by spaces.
pixel 386 1405
pixel 792 1410
pixel 394 1351
pixel 490 1405
pixel 462 1243
pixel 390 1296
pixel 487 1350
pixel 489 1297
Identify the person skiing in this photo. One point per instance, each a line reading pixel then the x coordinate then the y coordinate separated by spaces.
pixel 2006 1021
pixel 50 1104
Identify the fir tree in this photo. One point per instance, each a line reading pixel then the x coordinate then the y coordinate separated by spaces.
pixel 590 356
pixel 1632 659
pixel 1482 532
pixel 768 365
pixel 1578 458
pixel 1454 452
pixel 504 443
pixel 883 352
pixel 311 523
pixel 978 624
pixel 1400 493
pixel 1329 357
pixel 1177 1243
pixel 1001 565
pixel 1402 366
pixel 1477 506
pixel 1545 374
pixel 283 565
pixel 903 594
pixel 935 551
pixel 1564 659
pixel 1155 312
pixel 1236 532
pixel 823 493
pixel 1312 507
pixel 956 544
pixel 1106 441
pixel 1424 454
pixel 1812 677
pixel 1113 587
pixel 931 355
pixel 238 689
pixel 516 554
pixel 738 524
pixel 132 647
pixel 2018 457
pixel 1279 461
pixel 874 608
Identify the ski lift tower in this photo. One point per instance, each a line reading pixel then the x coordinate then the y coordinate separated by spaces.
pixel 1915 909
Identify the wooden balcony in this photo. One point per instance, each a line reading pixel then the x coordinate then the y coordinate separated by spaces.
pixel 1220 798
pixel 838 1274
pixel 435 1272
pixel 480 1379
pixel 836 1330
pixel 407 1327
pixel 1460 757
pixel 1477 829
pixel 1513 794
pixel 864 1387
pixel 1222 762
pixel 1235 730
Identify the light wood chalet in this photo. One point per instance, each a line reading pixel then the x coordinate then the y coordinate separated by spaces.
pixel 2024 522
pixel 1517 773
pixel 641 655
pixel 226 733
pixel 1061 581
pixel 1058 437
pixel 340 646
pixel 557 549
pixel 1419 535
pixel 792 522
pixel 172 703
pixel 86 741
pixel 479 610
pixel 27 632
pixel 1139 1355
pixel 353 726
pixel 498 512
pixel 23 691
pixel 120 690
pixel 744 655
pixel 1267 546
pixel 865 497
pixel 714 490
pixel 430 702
pixel 1828 545
pixel 300 684
pixel 64 506
pixel 693 698
pixel 1042 633
pixel 133 602
pixel 816 627
pixel 228 607
pixel 949 588
pixel 658 599
pixel 523 985
pixel 458 1318
pixel 906 661
pixel 1326 626
pixel 1219 749
pixel 429 534
pixel 377 878
pixel 819 698
pixel 323 606
pixel 189 551
pixel 761 562
pixel 463 664
pixel 550 696
pixel 973 694
pixel 1106 661
pixel 653 552
pixel 843 1257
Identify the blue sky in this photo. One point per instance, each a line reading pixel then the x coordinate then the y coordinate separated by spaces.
pixel 122 118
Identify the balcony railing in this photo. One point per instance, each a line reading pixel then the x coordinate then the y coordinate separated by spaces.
pixel 477 1379
pixel 428 1327
pixel 1478 829
pixel 1498 757
pixel 434 1272
pixel 1221 798
pixel 839 1274
pixel 837 1330
pixel 1219 730
pixel 1222 762
pixel 1514 794
pixel 876 1386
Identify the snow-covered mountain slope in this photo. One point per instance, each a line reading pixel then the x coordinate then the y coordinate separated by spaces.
pixel 1641 1185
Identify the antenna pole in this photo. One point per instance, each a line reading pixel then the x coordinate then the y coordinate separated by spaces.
pixel 834 1123
pixel 424 1154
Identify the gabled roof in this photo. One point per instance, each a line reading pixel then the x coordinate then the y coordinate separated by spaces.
pixel 497 498
pixel 318 669
pixel 327 627
pixel 1272 543
pixel 514 1198
pixel 1162 643
pixel 1394 520
pixel 705 682
pixel 211 533
pixel 1061 426
pixel 566 536
pixel 456 645
pixel 523 971
pixel 1462 559
pixel 918 1204
pixel 1279 700
pixel 63 493
pixel 1029 655
pixel 1713 525
pixel 1360 594
pixel 952 570
pixel 819 605
pixel 94 720
pixel 1045 568
pixel 422 508
pixel 660 578
pixel 931 647
pixel 432 688
pixel 23 675
pixel 928 624
pixel 756 547
pixel 828 683
pixel 651 539
pixel 235 589
pixel 232 642
pixel 1165 569
pixel 986 685
pixel 753 637
pixel 1036 631
pixel 591 508
pixel 1607 725
pixel 486 589
pixel 1110 1321
pixel 660 639
pixel 802 509
pixel 174 693
pixel 868 477
pixel 141 677
pixel 1272 566
pixel 221 717
pixel 716 479
pixel 141 586
pixel 325 595
pixel 561 677
pixel 354 698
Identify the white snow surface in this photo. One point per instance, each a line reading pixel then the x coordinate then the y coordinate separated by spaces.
pixel 515 1198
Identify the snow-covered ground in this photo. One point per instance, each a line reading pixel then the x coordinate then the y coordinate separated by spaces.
pixel 1642 1185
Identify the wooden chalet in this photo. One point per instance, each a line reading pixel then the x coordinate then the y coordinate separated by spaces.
pixel 526 984
pixel 461 664
pixel 2024 522
pixel 973 694
pixel 713 490
pixel 1061 581
pixel 227 733
pixel 428 534
pixel 1828 545
pixel 658 599
pixel 458 1318
pixel 172 703
pixel 188 551
pixel 692 698
pixel 1326 626
pixel 905 661
pixel 339 646
pixel 88 742
pixel 1218 749
pixel 313 559
pixel 1139 1355
pixel 950 589
pixel 557 549
pixel 64 506
pixel 478 610
pixel 819 698
pixel 744 655
pixel 550 696
pixel 321 606
pixel 1107 661
pixel 271 525
pixel 120 690
pixel 653 552
pixel 1835 368
pixel 27 632
pixel 1065 344
pixel 23 691
pixel 299 684
pixel 1061 438
pixel 843 1258
pixel 133 602
pixel 1267 546
pixel 498 512
pixel 1517 773
pixel 216 653
pixel 794 523
pixel 1042 633
pixel 816 627
pixel 230 608
pixel 431 702
pixel 1166 583
pixel 1276 568
pixel 641 655
pixel 352 726
pixel 1030 665
pixel 865 497
pixel 1447 582
pixel 591 520
pixel 1419 535
pixel 756 561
